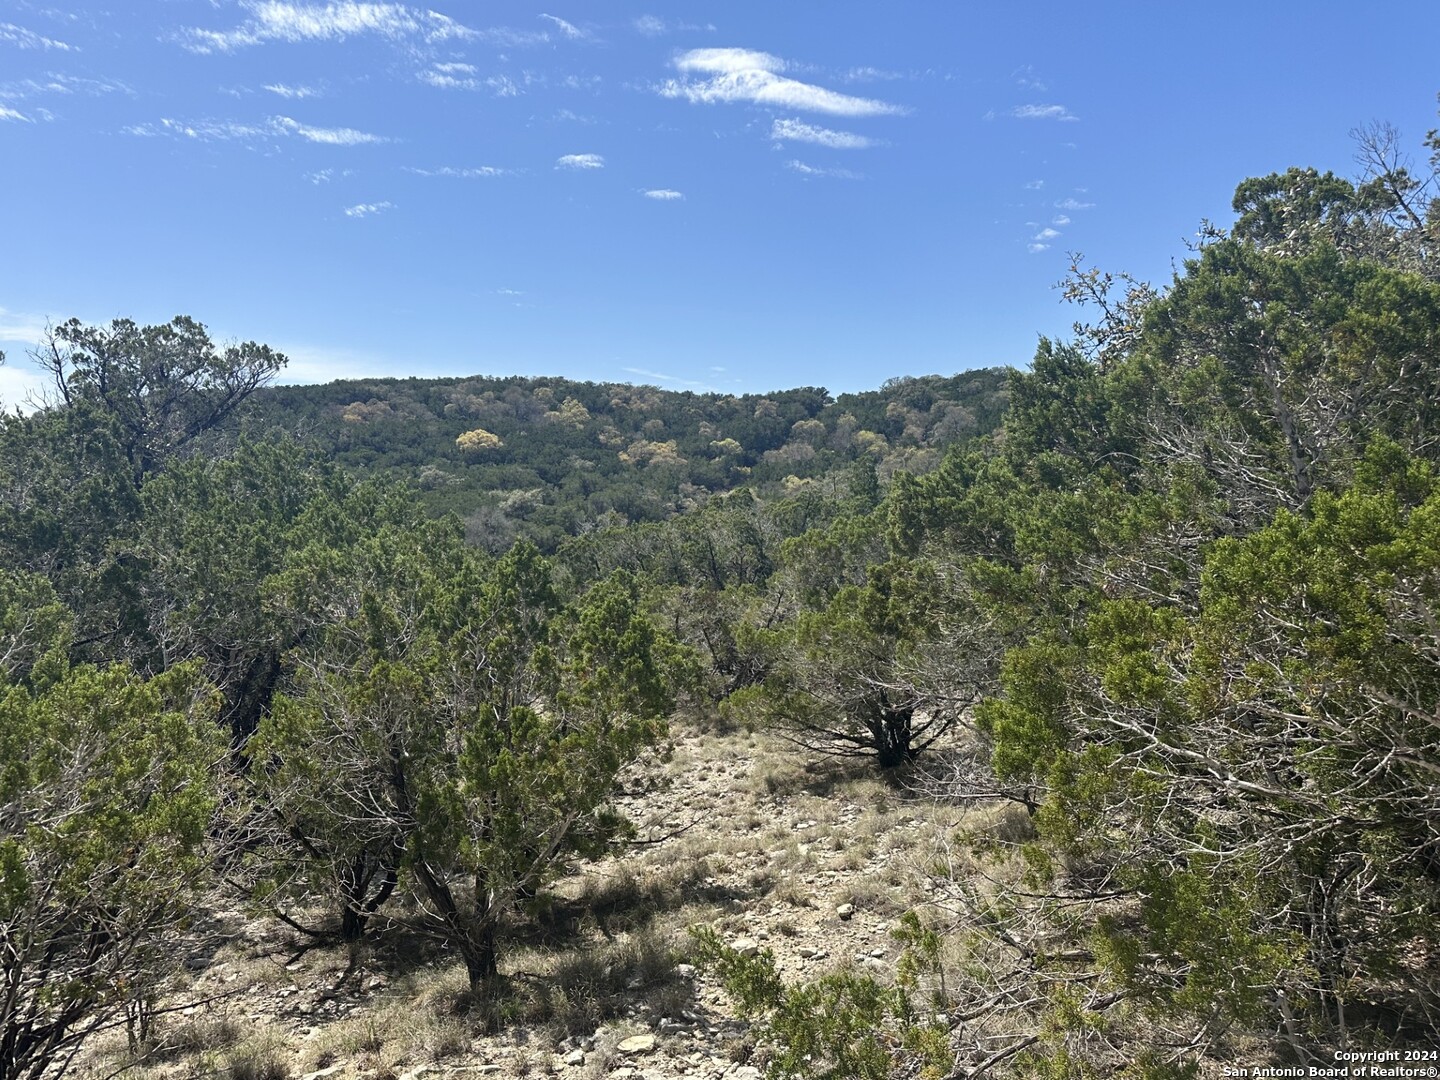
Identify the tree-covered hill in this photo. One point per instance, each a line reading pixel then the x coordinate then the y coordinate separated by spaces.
pixel 548 457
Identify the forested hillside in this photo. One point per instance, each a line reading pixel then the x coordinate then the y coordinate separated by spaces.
pixel 1155 617
pixel 549 458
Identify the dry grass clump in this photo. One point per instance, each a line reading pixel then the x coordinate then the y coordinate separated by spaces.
pixel 576 991
pixel 628 896
pixel 421 1021
pixel 200 1033
pixel 264 1056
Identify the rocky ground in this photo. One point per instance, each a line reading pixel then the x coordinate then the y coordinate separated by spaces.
pixel 735 831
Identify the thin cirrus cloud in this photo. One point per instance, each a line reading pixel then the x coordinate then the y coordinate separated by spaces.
pixel 456 76
pixel 1073 204
pixel 663 195
pixel 274 127
pixel 799 131
pixel 369 209
pixel 1042 112
pixel 813 170
pixel 7 113
pixel 449 77
pixel 871 74
pixel 478 172
pixel 202 130
pixel 567 29
pixel 746 75
pixel 10 34
pixel 653 26
pixel 293 93
pixel 661 377
pixel 580 161
pixel 278 21
pixel 326 136
pixel 53 82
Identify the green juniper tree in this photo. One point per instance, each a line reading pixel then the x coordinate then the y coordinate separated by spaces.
pixel 106 792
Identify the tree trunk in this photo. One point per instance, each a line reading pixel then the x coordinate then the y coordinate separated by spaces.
pixel 892 734
pixel 473 937
pixel 357 907
pixel 477 947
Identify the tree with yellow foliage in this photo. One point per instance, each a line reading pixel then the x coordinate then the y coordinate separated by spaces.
pixel 478 441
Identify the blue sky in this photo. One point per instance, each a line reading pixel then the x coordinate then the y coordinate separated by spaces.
pixel 734 196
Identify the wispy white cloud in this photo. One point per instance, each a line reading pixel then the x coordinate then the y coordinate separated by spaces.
pixel 509 292
pixel 663 195
pixel 506 37
pixel 871 74
pixel 502 86
pixel 728 61
pixel 292 92
pixel 1025 77
pixel 1042 112
pixel 580 161
pixel 7 113
pixel 203 130
pixel 324 176
pixel 310 364
pixel 660 376
pixel 360 210
pixel 22 388
pixel 277 20
pixel 1046 234
pixel 478 172
pixel 444 80
pixel 327 136
pixel 463 77
pixel 567 29
pixel 21 384
pixel 10 34
pixel 745 75
pixel 1036 247
pixel 798 131
pixel 1073 204
pixel 651 26
pixel 812 170
pixel 1060 219
pixel 275 127
pixel 19 328
pixel 1034 185
pixel 57 83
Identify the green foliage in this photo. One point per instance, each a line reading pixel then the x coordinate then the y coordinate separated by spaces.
pixel 106 793
pixel 461 728
pixel 163 386
pixel 225 542
pixel 855 675
pixel 842 1026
